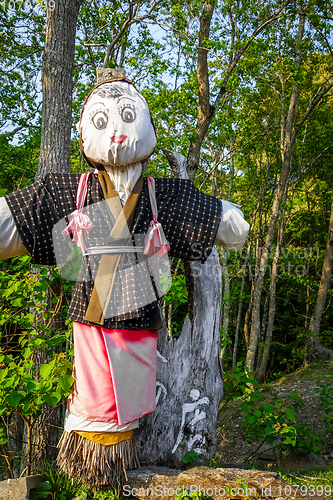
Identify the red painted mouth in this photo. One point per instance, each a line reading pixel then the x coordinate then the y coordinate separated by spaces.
pixel 118 139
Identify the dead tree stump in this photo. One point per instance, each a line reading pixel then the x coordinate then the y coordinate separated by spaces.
pixel 189 384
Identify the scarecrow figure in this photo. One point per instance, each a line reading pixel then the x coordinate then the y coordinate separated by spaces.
pixel 122 224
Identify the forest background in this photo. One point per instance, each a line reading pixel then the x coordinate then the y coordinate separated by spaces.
pixel 244 91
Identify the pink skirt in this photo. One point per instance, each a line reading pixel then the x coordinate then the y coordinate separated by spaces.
pixel 114 373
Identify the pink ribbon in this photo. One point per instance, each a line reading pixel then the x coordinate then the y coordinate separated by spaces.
pixel 80 222
pixel 155 240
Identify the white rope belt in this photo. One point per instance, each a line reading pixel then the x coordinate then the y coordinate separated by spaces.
pixel 112 250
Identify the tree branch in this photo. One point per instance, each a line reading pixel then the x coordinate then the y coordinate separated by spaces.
pixel 242 51
pixel 206 111
pixel 129 21
pixel 202 66
pixel 310 108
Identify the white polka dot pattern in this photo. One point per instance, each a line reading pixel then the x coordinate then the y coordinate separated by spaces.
pixel 190 220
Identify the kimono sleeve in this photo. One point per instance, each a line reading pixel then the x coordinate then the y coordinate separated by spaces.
pixel 190 219
pixel 35 213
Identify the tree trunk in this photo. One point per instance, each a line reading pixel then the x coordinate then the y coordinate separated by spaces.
pixel 206 110
pixel 189 382
pixel 315 349
pixel 239 313
pixel 263 330
pixel 226 302
pixel 57 86
pixel 262 367
pixel 289 141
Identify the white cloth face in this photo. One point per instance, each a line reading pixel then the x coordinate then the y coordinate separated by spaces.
pixel 233 228
pixel 115 125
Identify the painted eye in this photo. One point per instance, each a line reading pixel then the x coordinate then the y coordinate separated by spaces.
pixel 100 120
pixel 128 113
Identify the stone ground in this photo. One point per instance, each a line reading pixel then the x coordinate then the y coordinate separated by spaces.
pixel 232 447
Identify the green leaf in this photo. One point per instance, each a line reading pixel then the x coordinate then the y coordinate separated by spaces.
pixel 53 398
pixel 46 486
pixel 245 405
pixel 31 386
pixel 66 382
pixel 13 399
pixel 36 342
pixel 3 373
pixel 26 353
pixel 251 419
pixel 271 440
pixel 45 370
pixel 3 440
pixel 290 414
pixel 268 408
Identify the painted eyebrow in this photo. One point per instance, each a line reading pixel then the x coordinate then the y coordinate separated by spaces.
pixel 95 104
pixel 125 97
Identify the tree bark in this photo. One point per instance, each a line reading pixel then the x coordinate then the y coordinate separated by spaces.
pixel 289 142
pixel 189 381
pixel 262 367
pixel 226 302
pixel 57 87
pixel 206 110
pixel 263 330
pixel 315 349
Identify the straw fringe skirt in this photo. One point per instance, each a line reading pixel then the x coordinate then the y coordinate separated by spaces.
pixel 95 464
pixel 115 383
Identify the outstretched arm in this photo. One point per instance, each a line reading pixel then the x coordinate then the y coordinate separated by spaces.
pixel 233 229
pixel 10 242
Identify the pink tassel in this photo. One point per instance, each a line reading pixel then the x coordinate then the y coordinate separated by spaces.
pixel 155 241
pixel 76 226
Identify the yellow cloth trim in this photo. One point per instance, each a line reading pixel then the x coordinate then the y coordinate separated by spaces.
pixel 106 438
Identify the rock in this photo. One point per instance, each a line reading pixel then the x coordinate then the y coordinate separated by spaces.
pixel 18 489
pixel 301 460
pixel 165 483
pixel 266 452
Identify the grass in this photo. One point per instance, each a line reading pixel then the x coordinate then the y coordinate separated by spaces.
pixel 320 479
pixel 309 372
pixel 58 486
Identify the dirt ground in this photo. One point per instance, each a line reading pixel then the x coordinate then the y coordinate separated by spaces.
pixel 232 448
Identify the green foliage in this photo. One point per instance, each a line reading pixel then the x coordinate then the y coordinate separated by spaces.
pixel 238 382
pixel 313 482
pixel 58 486
pixel 326 395
pixel 25 391
pixel 108 495
pixel 25 387
pixel 190 457
pixel 272 422
pixel 275 423
pixel 192 495
pixel 175 300
pixel 160 55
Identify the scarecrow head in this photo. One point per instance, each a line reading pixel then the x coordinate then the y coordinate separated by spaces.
pixel 115 126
